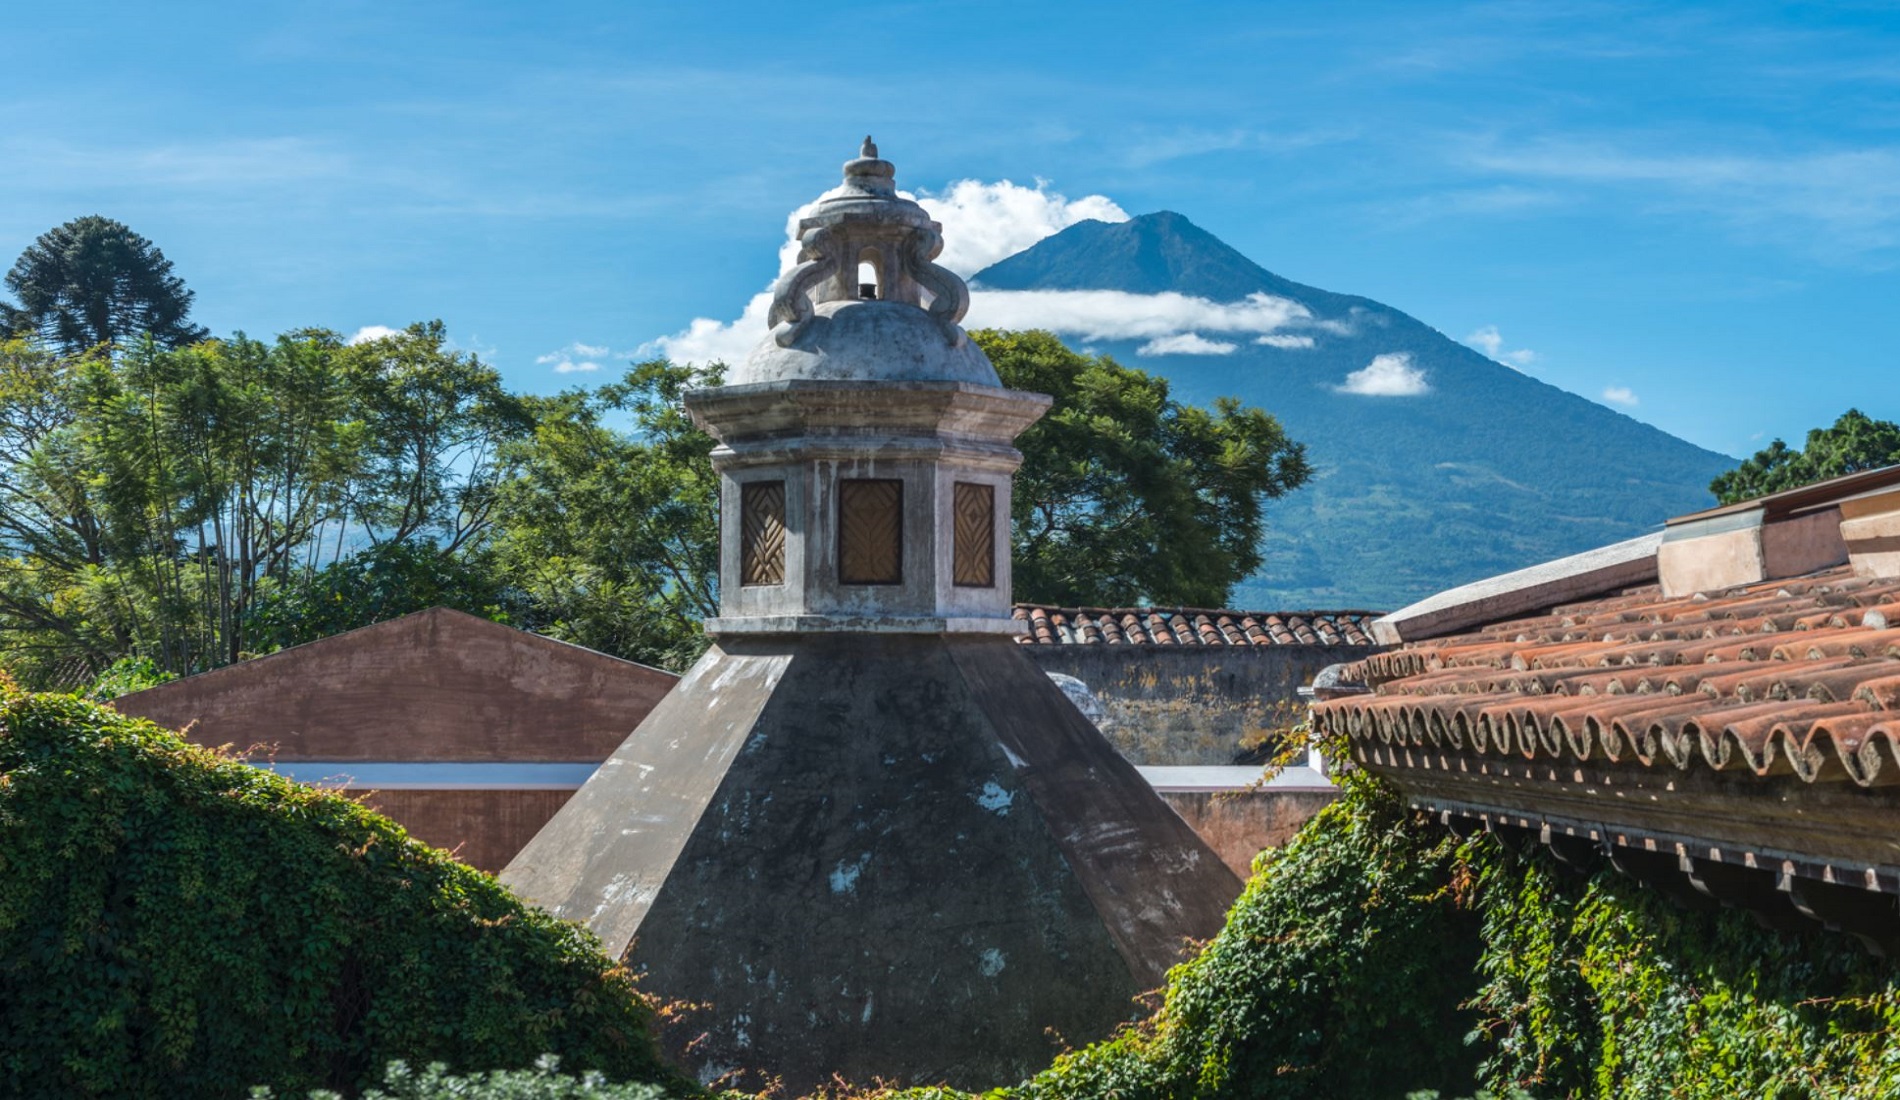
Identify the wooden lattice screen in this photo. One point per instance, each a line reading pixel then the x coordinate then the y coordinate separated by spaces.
pixel 871 531
pixel 973 561
pixel 762 532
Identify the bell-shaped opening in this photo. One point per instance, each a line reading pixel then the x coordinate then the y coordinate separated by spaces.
pixel 868 263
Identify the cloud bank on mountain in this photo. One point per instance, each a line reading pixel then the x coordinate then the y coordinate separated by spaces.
pixel 986 222
pixel 1186 343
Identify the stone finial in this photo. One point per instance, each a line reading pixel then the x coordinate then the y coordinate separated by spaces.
pixel 865 225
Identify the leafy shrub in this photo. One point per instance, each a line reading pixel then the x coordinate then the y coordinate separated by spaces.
pixel 540 1083
pixel 174 923
pixel 125 676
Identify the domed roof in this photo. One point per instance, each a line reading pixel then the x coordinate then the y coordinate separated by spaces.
pixel 868 341
pixel 897 322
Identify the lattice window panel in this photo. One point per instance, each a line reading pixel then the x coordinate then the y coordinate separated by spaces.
pixel 870 531
pixel 762 532
pixel 973 562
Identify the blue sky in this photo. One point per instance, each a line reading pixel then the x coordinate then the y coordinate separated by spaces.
pixel 1692 208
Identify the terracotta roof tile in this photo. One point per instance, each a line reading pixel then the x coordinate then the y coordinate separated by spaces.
pixel 1187 626
pixel 1797 678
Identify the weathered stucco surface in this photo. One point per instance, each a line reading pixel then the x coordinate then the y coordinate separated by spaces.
pixel 483 828
pixel 1192 705
pixel 1238 824
pixel 438 685
pixel 904 856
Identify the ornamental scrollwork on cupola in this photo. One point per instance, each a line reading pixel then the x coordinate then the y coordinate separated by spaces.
pixel 949 294
pixel 866 223
pixel 818 260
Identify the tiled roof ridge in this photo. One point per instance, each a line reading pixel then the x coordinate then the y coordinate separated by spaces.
pixel 1356 612
pixel 1189 626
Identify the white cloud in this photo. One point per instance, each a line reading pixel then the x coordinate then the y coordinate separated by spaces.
pixel 1186 343
pixel 983 223
pixel 373 332
pixel 1119 315
pixel 1281 340
pixel 1390 375
pixel 709 341
pixel 1620 395
pixel 1491 342
pixel 987 222
pixel 577 358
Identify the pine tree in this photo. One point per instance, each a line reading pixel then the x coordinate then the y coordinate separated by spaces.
pixel 94 281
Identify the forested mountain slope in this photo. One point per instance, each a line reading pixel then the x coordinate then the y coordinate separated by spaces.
pixel 1452 468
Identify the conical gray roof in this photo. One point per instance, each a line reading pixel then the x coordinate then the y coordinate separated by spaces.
pixel 900 856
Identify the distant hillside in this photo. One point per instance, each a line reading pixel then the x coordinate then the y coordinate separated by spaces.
pixel 1487 470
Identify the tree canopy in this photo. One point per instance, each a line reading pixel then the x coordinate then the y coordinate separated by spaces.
pixel 174 505
pixel 183 508
pixel 1126 495
pixel 94 281
pixel 1853 443
pixel 613 534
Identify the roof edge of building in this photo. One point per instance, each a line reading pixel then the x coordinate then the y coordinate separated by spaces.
pixel 1169 627
pixel 438 611
pixel 1579 576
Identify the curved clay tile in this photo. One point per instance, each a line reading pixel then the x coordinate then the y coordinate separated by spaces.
pixel 1881 691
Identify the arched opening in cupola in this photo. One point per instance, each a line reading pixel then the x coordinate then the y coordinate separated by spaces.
pixel 869 261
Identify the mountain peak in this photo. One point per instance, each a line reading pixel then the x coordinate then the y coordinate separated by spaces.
pixel 1150 254
pixel 1495 468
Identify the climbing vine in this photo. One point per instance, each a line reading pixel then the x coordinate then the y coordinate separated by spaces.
pixel 175 923
pixel 1597 986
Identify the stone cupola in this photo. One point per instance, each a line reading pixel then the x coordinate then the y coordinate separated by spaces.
pixel 865 447
pixel 865 830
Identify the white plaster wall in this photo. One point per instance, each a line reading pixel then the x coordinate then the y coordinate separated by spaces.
pixel 1711 562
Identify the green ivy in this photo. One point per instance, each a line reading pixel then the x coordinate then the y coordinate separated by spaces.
pixel 1599 987
pixel 1339 973
pixel 175 923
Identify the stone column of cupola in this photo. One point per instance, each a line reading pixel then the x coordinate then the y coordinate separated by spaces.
pixel 866 447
